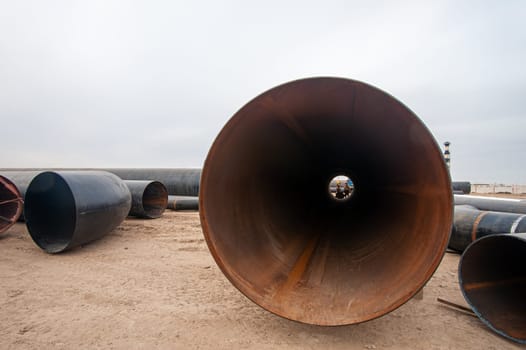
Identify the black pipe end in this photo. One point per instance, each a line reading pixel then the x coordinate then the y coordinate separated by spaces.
pixel 50 212
pixel 493 280
pixel 154 200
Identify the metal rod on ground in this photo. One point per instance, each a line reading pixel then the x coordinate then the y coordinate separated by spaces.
pixel 68 208
pixel 457 306
pixel 492 279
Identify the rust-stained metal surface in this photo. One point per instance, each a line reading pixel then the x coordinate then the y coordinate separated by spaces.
pixel 11 204
pixel 149 198
pixel 493 280
pixel 279 237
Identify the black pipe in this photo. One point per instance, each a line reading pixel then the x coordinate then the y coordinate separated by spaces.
pixel 183 182
pixel 68 208
pixel 149 198
pixel 462 186
pixel 469 224
pixel 507 205
pixel 178 181
pixel 183 203
pixel 493 280
pixel 11 204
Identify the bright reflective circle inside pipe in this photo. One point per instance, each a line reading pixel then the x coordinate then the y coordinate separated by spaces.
pixel 285 243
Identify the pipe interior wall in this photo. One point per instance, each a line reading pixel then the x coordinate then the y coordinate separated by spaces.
pixel 149 198
pixel 493 280
pixel 285 242
pixel 11 204
pixel 21 179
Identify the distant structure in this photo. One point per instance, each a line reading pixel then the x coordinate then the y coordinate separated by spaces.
pixel 447 155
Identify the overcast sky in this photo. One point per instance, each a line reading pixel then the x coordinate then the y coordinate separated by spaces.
pixel 151 83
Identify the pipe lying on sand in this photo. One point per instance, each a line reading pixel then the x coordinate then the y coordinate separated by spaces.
pixel 507 205
pixel 178 181
pixel 183 203
pixel 461 186
pixel 470 224
pixel 280 237
pixel 493 280
pixel 68 208
pixel 149 198
pixel 11 204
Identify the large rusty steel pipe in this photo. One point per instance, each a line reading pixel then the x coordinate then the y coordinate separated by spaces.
pixel 149 198
pixel 493 280
pixel 11 204
pixel 282 239
pixel 65 209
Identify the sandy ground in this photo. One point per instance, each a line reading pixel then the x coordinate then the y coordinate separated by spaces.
pixel 152 284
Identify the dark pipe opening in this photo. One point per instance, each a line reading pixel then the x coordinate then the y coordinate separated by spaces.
pixel 155 199
pixel 291 248
pixel 50 212
pixel 493 280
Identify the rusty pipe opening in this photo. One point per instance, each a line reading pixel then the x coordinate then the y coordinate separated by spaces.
pixel 281 238
pixel 493 280
pixel 11 204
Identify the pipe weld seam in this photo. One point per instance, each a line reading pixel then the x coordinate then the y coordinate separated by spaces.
pixel 516 223
pixel 476 225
